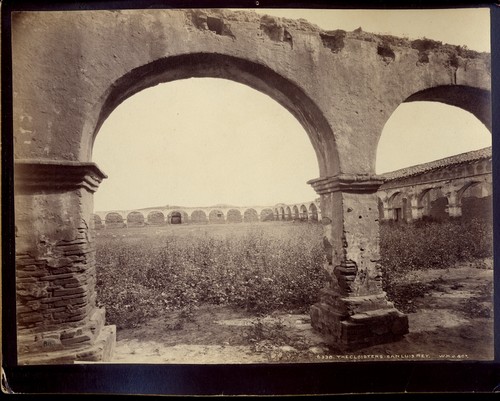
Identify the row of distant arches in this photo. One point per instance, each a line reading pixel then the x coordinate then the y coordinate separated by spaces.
pixel 198 216
pixel 470 200
pixel 297 212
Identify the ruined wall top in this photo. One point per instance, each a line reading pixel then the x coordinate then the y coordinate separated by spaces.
pixel 276 27
pixel 72 69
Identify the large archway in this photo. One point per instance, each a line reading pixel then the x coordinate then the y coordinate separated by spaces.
pixel 435 123
pixel 210 65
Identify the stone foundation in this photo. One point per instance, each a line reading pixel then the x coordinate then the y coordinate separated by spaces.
pixel 93 342
pixel 361 329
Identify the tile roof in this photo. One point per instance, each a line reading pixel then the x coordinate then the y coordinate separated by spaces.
pixel 461 158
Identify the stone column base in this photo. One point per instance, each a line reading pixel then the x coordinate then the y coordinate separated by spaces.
pixel 93 342
pixel 359 330
pixel 101 351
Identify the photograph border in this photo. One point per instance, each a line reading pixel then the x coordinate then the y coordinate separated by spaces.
pixel 251 379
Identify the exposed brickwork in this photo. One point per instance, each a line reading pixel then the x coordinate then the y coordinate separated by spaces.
pixel 55 269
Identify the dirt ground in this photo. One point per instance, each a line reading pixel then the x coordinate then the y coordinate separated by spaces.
pixel 452 321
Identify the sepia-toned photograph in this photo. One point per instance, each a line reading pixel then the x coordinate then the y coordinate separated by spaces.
pixel 252 186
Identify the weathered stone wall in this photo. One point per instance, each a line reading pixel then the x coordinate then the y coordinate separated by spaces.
pixel 85 68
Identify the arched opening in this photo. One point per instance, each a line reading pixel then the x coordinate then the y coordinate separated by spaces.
pixel 199 217
pixel 313 212
pixel 476 201
pixel 176 218
pixel 156 218
pixel 267 215
pixel 433 124
pixel 135 219
pixel 234 216
pixel 216 216
pixel 428 153
pixel 211 65
pixel 251 215
pixel 202 250
pixel 398 203
pixel 303 213
pixel 435 135
pixel 114 220
pixel 282 215
pixel 296 214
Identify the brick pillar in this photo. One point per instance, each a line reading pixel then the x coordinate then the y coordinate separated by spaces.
pixel 388 212
pixel 353 310
pixel 57 318
pixel 454 206
pixel 417 210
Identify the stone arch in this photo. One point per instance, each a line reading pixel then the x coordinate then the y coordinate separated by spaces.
pixel 475 100
pixel 215 65
pixel 267 215
pixel 175 217
pixel 216 216
pixel 97 222
pixel 114 220
pixel 199 216
pixel 234 216
pixel 135 219
pixel 295 213
pixel 288 213
pixel 250 215
pixel 156 218
pixel 476 201
pixel 313 212
pixel 304 215
pixel 400 207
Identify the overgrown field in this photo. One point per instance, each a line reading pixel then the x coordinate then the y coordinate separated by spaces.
pixel 406 248
pixel 260 267
pixel 143 272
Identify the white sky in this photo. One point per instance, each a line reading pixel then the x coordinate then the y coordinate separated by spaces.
pixel 199 142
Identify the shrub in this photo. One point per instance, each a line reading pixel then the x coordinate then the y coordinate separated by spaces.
pixel 276 268
pixel 429 245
